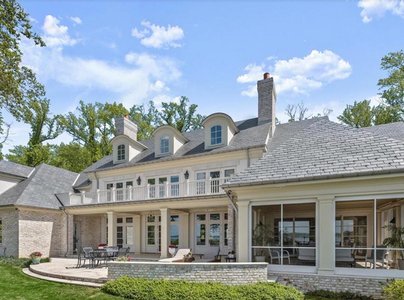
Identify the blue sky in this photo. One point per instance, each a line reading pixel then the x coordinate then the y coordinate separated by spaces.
pixel 325 54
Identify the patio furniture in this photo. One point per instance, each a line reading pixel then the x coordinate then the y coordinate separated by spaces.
pixel 276 255
pixel 3 251
pixel 381 257
pixel 345 256
pixel 123 251
pixel 111 252
pixel 179 256
pixel 231 257
pixel 87 255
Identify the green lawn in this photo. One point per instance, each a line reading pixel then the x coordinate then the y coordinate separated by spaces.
pixel 14 284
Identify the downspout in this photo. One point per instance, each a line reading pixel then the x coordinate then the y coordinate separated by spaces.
pixel 230 196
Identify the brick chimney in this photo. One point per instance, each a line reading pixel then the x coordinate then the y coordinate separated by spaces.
pixel 124 126
pixel 266 100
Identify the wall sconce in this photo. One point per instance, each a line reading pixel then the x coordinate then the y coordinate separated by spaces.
pixel 186 174
pixel 139 181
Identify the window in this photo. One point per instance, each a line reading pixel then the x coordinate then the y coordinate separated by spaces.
pixel 164 145
pixel 1 231
pixel 216 135
pixel 175 186
pixel 228 174
pixel 121 152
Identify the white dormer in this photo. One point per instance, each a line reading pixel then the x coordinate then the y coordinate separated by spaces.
pixel 219 130
pixel 167 140
pixel 125 145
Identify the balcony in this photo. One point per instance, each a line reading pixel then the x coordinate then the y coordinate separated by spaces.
pixel 187 188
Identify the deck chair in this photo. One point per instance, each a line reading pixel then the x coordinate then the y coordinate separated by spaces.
pixel 179 256
pixel 88 255
pixel 275 254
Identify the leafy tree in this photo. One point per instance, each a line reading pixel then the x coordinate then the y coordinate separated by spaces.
pixel 15 80
pixel 31 155
pixel 72 156
pixel 147 118
pixel 181 116
pixel 92 125
pixel 357 115
pixel 393 84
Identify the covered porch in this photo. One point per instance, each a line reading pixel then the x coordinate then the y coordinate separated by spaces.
pixel 205 225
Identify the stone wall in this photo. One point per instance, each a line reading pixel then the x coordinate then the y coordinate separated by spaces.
pixel 336 283
pixel 228 273
pixel 42 230
pixel 9 217
pixel 90 230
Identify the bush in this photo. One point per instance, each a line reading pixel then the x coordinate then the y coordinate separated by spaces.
pixel 394 290
pixel 150 289
pixel 17 262
pixel 337 295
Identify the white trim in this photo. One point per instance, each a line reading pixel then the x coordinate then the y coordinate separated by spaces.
pixel 369 197
pixel 284 201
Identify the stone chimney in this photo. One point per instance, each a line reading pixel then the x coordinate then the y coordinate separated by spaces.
pixel 266 100
pixel 124 126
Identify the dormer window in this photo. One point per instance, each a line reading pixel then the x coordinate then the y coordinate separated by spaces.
pixel 121 152
pixel 216 135
pixel 164 145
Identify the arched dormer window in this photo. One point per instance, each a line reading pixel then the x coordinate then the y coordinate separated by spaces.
pixel 216 135
pixel 121 152
pixel 164 145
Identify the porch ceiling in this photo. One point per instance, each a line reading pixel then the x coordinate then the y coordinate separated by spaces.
pixel 148 205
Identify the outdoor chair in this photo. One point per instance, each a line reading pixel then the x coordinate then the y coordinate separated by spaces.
pixel 123 251
pixel 3 251
pixel 231 257
pixel 179 256
pixel 381 257
pixel 276 255
pixel 112 252
pixel 88 255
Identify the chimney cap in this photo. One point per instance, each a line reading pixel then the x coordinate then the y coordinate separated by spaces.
pixel 267 75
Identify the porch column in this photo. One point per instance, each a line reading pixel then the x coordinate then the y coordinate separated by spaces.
pixel 165 231
pixel 136 224
pixel 184 231
pixel 111 228
pixel 243 226
pixel 326 235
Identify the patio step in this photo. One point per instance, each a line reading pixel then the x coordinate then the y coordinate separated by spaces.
pixel 35 274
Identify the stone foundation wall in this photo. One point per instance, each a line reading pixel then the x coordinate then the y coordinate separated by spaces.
pixel 337 283
pixel 227 273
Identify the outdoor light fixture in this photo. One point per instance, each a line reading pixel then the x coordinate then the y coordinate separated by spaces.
pixel 186 174
pixel 139 180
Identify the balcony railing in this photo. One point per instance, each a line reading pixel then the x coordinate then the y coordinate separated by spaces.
pixel 187 188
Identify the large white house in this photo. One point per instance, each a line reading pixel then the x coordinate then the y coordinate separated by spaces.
pixel 311 196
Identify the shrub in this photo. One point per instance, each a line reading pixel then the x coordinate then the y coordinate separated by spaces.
pixel 17 262
pixel 338 295
pixel 394 290
pixel 150 289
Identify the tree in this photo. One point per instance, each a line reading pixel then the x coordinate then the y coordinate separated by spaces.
pixel 393 84
pixel 72 156
pixel 92 125
pixel 147 118
pixel 31 155
pixel 296 112
pixel 14 78
pixel 357 115
pixel 181 116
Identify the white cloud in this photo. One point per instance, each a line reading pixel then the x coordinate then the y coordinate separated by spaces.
pixel 76 20
pixel 156 36
pixel 298 75
pixel 56 35
pixel 378 8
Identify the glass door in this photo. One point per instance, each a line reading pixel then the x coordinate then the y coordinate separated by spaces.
pixel 153 234
pixel 211 233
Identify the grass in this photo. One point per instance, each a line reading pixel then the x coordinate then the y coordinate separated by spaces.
pixel 14 284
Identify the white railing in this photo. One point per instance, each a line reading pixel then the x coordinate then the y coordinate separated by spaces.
pixel 187 188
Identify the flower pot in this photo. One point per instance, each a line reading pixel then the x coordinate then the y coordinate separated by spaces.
pixel 36 260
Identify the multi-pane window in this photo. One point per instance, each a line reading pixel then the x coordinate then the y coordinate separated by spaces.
pixel 121 152
pixel 216 135
pixel 164 145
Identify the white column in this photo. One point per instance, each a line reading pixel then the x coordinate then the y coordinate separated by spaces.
pixel 165 231
pixel 111 228
pixel 184 231
pixel 137 229
pixel 243 233
pixel 326 235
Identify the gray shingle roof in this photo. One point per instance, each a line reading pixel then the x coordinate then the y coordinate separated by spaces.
pixel 251 135
pixel 320 149
pixel 14 169
pixel 40 188
pixel 392 130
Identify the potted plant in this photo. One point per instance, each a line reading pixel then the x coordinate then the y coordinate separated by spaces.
pixel 262 236
pixel 35 257
pixel 396 240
